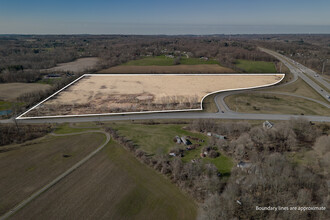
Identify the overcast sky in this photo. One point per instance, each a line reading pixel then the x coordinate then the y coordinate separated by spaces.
pixel 164 17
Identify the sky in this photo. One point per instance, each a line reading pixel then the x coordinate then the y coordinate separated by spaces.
pixel 164 17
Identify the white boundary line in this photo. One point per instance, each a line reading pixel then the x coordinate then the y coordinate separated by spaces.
pixel 145 112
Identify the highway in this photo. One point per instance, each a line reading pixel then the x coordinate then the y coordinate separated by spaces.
pixel 301 71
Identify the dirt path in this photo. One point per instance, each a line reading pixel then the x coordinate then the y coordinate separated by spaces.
pixel 60 177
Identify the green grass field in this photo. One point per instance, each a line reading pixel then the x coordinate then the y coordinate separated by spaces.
pixel 154 139
pixel 158 139
pixel 256 66
pixel 49 81
pixel 166 61
pixel 67 129
pixel 5 105
pixel 274 104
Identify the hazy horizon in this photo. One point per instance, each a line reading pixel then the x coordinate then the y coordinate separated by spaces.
pixel 169 18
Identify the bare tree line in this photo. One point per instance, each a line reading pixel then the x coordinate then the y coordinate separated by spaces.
pixel 273 179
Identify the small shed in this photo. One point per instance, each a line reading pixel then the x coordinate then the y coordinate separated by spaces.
pixel 172 154
pixel 244 165
pixel 267 125
pixel 178 139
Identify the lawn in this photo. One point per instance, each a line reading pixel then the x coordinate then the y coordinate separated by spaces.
pixel 274 104
pixel 223 163
pixel 25 168
pixel 112 185
pixel 155 139
pixel 167 61
pixel 256 66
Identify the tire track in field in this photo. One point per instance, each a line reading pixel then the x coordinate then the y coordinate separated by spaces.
pixel 60 177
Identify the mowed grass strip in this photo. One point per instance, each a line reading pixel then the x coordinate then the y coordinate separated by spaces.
pixel 112 185
pixel 274 104
pixel 299 87
pixel 256 66
pixel 27 167
pixel 66 128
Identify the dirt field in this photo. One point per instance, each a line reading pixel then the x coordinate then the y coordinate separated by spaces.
pixel 203 68
pixel 112 185
pixel 132 93
pixel 76 66
pixel 11 91
pixel 27 167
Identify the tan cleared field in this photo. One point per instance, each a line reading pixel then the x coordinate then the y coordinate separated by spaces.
pixel 202 68
pixel 11 91
pixel 76 66
pixel 95 94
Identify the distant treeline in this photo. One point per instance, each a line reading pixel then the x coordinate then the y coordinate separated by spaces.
pixel 23 57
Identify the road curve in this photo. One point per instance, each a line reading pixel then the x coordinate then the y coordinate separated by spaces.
pixel 60 177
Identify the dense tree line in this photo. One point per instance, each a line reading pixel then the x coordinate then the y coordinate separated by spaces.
pixel 273 179
pixel 18 134
pixel 24 57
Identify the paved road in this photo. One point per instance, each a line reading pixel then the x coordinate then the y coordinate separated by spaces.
pixel 60 177
pixel 298 69
pixel 175 115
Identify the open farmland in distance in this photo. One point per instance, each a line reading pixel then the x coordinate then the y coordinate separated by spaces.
pixel 97 94
pixel 11 91
pixel 76 66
